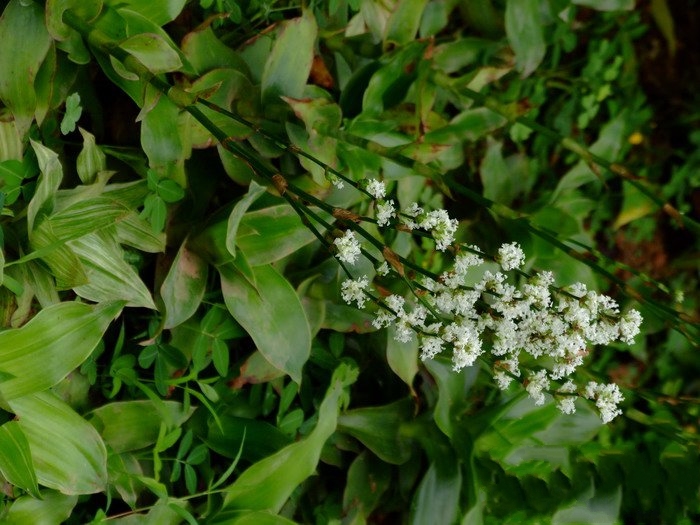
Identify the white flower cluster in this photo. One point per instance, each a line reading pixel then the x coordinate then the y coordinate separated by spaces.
pixel 553 326
pixel 348 247
pixel 385 209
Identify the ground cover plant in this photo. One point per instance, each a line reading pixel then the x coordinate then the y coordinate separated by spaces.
pixel 349 262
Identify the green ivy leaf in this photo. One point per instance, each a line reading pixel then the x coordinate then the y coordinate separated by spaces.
pixel 72 114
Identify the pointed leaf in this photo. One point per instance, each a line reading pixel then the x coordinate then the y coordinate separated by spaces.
pixel 68 453
pixel 525 34
pixel 50 179
pixel 152 51
pixel 254 191
pixel 184 286
pixel 53 507
pixel 55 342
pixel 110 277
pixel 261 487
pixel 25 44
pixel 272 314
pixel 288 66
pixel 91 159
pixel 16 459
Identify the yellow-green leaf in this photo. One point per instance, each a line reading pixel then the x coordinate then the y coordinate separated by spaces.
pixel 69 455
pixel 16 459
pixel 55 342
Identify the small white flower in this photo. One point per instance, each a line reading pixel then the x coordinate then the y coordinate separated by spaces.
pixel 383 269
pixel 567 404
pixel 537 383
pixel 510 256
pixel 430 347
pixel 395 302
pixel 355 291
pixel 629 326
pixel 383 319
pixel 442 227
pixel 376 189
pixel 465 260
pixel 606 398
pixel 348 247
pixel 385 212
pixel 502 379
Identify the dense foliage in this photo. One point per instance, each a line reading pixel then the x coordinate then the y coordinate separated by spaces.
pixel 193 192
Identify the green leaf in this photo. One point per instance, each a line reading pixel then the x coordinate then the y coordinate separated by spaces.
pixel 16 463
pixel 470 125
pixel 270 234
pixel 258 438
pixel 72 114
pixel 367 480
pixel 86 10
pixel 220 356
pixel 500 184
pixel 55 342
pixel 402 358
pixel 12 174
pixel 110 277
pixel 153 51
pixel 453 393
pixel 261 486
pixel 607 5
pixel 74 459
pixel 272 314
pixel 289 64
pixel 50 179
pixel 184 286
pixel 91 160
pixel 206 52
pixel 591 507
pixel 160 12
pixel 165 140
pixel 403 23
pixel 25 44
pixel 241 207
pixel 437 497
pixel 52 508
pixel 379 429
pixel 133 425
pixel 525 34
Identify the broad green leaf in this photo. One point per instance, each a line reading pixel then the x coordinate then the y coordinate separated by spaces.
pixel 165 140
pixel 57 340
pixel 86 216
pixel 402 358
pixel 608 146
pixel 244 517
pixel 269 483
pixel 86 10
pixel 500 183
pixel 592 506
pixel 403 23
pixel 184 286
pixel 272 314
pixel 110 277
pixel 525 34
pixel 607 5
pixel 52 508
pixel 25 44
pixel 470 125
pixel 10 141
pixel 153 51
pixel 368 478
pixel 206 52
pixel 72 114
pixel 50 179
pixel 270 234
pixel 379 429
pixel 63 263
pixel 159 12
pixel 68 453
pixel 288 66
pixel 453 392
pixel 133 425
pixel 635 205
pixel 241 207
pixel 136 232
pixel 16 463
pixel 437 497
pixel 91 159
pixel 12 174
pixel 258 438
